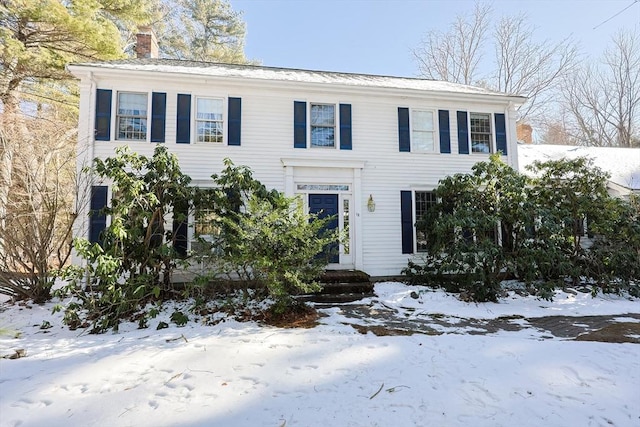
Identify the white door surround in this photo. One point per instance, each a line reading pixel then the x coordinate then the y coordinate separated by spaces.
pixel 342 177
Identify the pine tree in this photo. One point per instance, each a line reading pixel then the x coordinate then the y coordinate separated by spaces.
pixel 203 30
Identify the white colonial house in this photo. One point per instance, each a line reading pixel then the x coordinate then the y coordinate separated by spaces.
pixel 367 148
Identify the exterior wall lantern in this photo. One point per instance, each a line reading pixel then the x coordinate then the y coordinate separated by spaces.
pixel 371 205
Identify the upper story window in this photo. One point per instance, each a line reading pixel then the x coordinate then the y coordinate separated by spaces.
pixel 209 120
pixel 481 138
pixel 131 119
pixel 422 131
pixel 323 125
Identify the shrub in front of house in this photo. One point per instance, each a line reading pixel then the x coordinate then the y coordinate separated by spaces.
pixel 261 236
pixel 495 223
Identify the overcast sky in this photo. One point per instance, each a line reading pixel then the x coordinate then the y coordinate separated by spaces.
pixel 377 36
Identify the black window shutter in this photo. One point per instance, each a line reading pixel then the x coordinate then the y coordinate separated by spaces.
pixel 463 133
pixel 158 116
pixel 103 115
pixel 445 133
pixel 180 226
pixel 97 218
pixel 501 133
pixel 235 121
pixel 406 215
pixel 345 127
pixel 404 133
pixel 299 124
pixel 183 119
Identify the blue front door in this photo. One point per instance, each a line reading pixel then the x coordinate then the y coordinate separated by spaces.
pixel 327 205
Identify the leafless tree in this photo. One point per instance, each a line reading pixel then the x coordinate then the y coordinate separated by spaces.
pixel 454 56
pixel 602 100
pixel 520 65
pixel 529 68
pixel 40 205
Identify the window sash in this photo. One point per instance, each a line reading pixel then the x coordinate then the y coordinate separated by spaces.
pixel 345 225
pixel 205 224
pixel 205 229
pixel 209 120
pixel 323 125
pixel 423 131
pixel 424 201
pixel 131 117
pixel 480 132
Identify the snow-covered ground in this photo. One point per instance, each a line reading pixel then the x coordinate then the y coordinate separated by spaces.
pixel 245 374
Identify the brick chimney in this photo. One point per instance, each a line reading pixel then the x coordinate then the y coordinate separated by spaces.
pixel 146 43
pixel 524 133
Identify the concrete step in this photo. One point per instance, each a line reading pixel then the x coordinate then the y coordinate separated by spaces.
pixel 341 286
pixel 344 276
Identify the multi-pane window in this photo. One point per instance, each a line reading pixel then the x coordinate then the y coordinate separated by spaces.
pixel 205 228
pixel 422 130
pixel 209 120
pixel 323 125
pixel 480 132
pixel 345 225
pixel 131 116
pixel 425 200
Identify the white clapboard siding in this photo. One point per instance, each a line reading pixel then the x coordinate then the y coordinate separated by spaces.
pixel 267 135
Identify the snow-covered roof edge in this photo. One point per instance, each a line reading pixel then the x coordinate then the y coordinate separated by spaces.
pixel 260 72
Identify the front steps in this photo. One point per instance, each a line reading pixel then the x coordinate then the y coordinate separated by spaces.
pixel 340 286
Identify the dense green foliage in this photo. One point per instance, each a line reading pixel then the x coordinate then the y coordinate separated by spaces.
pixel 136 259
pixel 249 234
pixel 263 236
pixel 495 223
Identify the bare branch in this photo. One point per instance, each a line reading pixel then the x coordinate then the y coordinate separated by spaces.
pixel 521 64
pixel 603 100
pixel 529 68
pixel 455 56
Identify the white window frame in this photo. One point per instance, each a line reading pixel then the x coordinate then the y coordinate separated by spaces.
pixel 434 131
pixel 336 126
pixel 193 230
pixel 195 120
pixel 118 116
pixel 492 133
pixel 416 248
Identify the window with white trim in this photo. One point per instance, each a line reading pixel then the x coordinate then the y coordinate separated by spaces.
pixel 131 116
pixel 323 125
pixel 480 132
pixel 424 201
pixel 205 228
pixel 422 131
pixel 209 120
